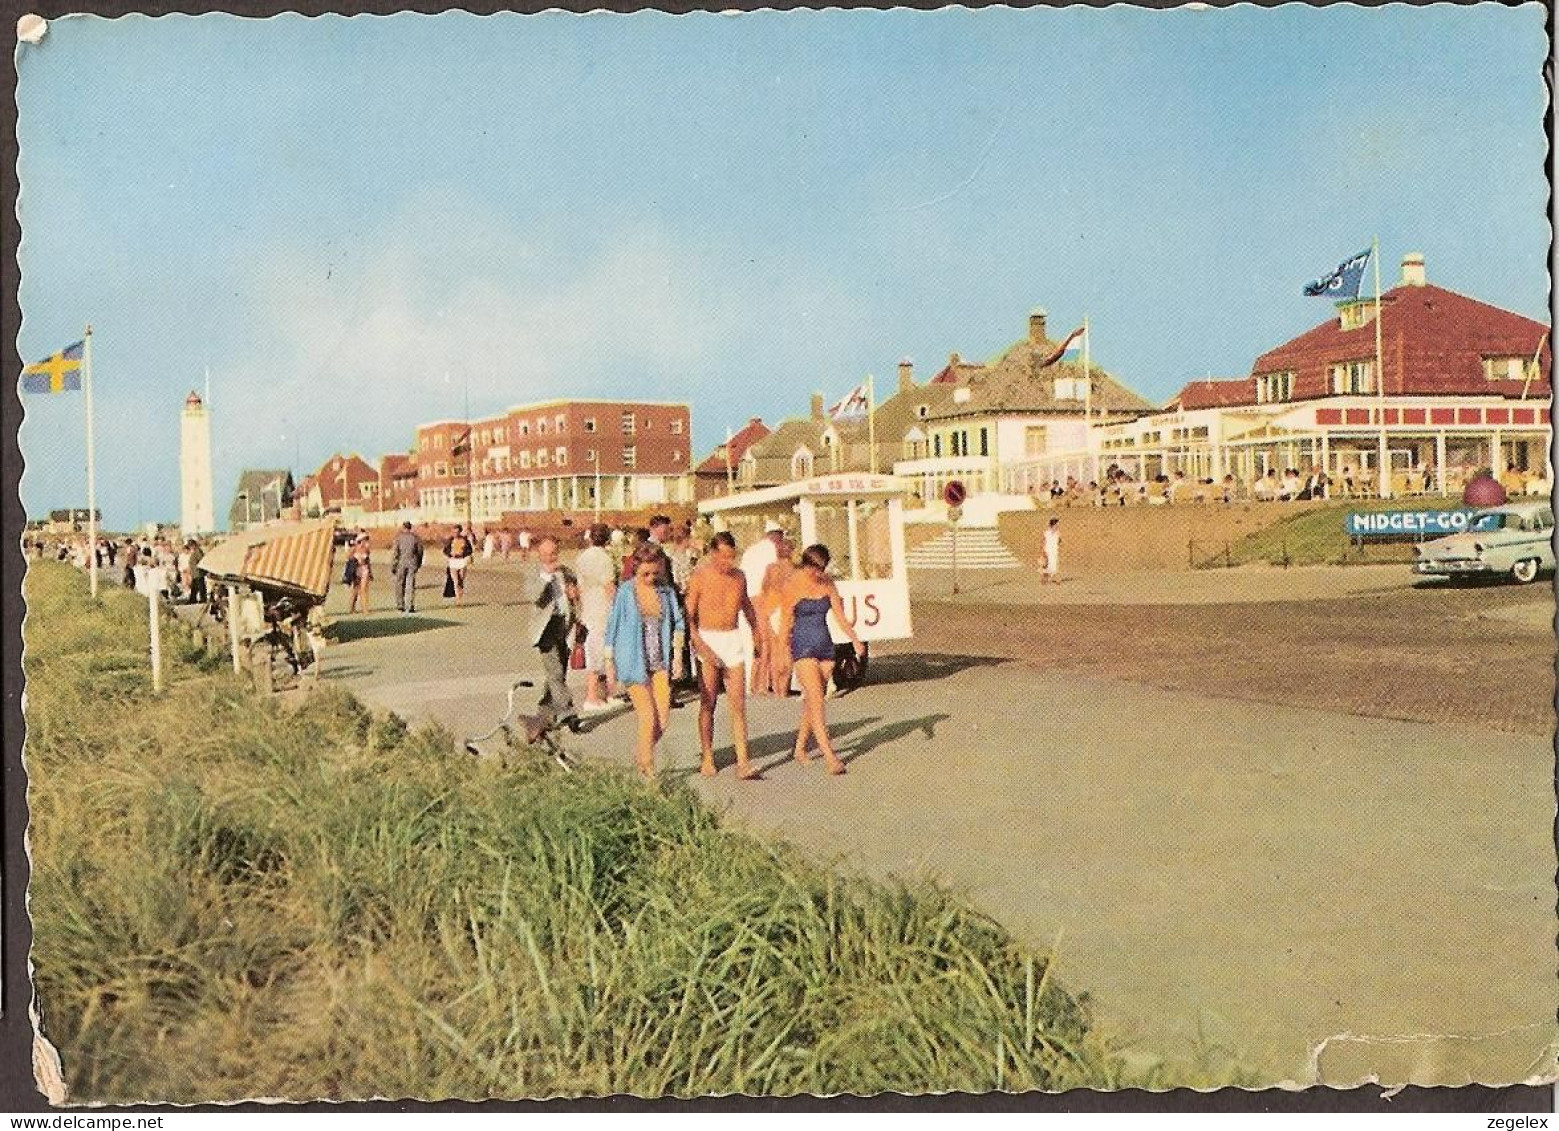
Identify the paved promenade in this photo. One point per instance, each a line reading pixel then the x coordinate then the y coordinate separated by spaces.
pixel 1331 896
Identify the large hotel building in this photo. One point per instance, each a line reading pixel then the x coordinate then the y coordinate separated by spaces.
pixel 554 456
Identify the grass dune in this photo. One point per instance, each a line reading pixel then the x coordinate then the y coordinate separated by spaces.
pixel 235 898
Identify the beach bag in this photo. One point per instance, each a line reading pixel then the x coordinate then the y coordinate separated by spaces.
pixel 349 574
pixel 449 583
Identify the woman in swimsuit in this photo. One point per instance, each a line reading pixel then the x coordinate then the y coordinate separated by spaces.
pixel 808 599
pixel 773 675
pixel 645 617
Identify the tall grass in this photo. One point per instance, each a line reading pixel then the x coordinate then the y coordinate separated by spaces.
pixel 232 898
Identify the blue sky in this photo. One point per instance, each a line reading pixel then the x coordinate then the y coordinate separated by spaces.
pixel 358 222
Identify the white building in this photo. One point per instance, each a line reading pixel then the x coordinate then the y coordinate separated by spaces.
pixel 197 512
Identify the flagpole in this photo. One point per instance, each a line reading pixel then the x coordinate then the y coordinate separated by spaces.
pixel 871 420
pixel 1536 367
pixel 86 386
pixel 1088 398
pixel 730 479
pixel 1383 457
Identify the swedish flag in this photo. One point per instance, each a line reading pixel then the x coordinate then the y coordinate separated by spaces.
pixel 58 374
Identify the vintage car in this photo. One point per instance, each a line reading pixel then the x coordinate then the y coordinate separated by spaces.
pixel 1514 539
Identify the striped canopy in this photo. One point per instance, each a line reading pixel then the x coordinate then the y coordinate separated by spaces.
pixel 293 557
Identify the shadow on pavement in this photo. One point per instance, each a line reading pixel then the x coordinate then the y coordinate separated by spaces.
pixel 869 741
pixel 915 667
pixel 347 671
pixel 347 630
pixel 770 751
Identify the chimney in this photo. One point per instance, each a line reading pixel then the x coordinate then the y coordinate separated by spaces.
pixel 1413 269
pixel 817 406
pixel 906 374
pixel 1037 325
pixel 953 359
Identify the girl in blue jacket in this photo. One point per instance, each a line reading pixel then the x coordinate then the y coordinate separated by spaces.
pixel 644 619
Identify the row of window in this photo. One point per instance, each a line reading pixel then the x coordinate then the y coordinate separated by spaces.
pixel 499 434
pixel 1354 378
pixel 558 457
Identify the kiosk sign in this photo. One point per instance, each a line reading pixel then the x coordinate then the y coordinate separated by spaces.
pixel 1406 524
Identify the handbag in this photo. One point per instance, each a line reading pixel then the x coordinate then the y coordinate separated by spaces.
pixel 576 658
pixel 449 583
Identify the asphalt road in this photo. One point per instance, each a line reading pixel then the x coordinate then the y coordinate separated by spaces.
pixel 1229 856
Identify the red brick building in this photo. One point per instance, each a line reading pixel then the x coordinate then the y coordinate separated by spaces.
pixel 1462 385
pixel 721 470
pixel 571 456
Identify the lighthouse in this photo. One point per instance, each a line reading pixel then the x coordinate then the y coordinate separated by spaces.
pixel 195 468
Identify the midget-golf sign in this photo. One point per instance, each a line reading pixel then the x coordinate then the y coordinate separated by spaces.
pixel 1399 524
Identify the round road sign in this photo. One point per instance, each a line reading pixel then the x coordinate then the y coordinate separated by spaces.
pixel 954 493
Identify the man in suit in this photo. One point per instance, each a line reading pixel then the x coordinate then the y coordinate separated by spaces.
pixel 405 560
pixel 554 599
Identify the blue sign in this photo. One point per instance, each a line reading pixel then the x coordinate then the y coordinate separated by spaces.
pixel 1400 524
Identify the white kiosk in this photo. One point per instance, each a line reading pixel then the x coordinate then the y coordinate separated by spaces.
pixel 860 518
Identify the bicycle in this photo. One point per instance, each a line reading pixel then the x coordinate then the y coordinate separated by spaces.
pixel 537 730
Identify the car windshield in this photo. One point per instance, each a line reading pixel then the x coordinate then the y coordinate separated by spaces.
pixel 1496 520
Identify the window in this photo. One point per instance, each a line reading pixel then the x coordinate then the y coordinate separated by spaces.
pixel 524 428
pixel 561 455
pixel 1505 368
pixel 922 411
pixel 541 426
pixel 1272 387
pixel 630 456
pixel 440 469
pixel 525 459
pixel 628 424
pixel 589 424
pixel 590 456
pixel 438 440
pixel 559 422
pixel 676 456
pixel 1035 440
pixel 936 445
pixel 1356 314
pixel 422 443
pixel 542 458
pixel 1352 377
pixel 801 464
pixel 914 444
pixel 985 444
pixel 676 426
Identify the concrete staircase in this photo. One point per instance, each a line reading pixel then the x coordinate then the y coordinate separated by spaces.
pixel 979 547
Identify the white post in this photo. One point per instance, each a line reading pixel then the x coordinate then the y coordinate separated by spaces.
pixel 86 388
pixel 232 624
pixel 1439 462
pixel 152 599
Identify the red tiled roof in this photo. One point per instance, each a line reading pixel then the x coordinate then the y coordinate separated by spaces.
pixel 397 463
pixel 1433 342
pixel 955 371
pixel 1216 394
pixel 750 433
pixel 332 490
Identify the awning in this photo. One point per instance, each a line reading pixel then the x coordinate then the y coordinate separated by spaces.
pixel 294 557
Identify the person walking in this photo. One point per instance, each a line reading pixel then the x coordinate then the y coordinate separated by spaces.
pixel 554 599
pixel 773 661
pixel 597 588
pixel 756 560
pixel 716 599
pixel 644 620
pixel 362 573
pixel 405 561
pixel 458 552
pixel 1050 573
pixel 808 600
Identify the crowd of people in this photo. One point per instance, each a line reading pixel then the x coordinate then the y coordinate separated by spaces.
pixel 146 564
pixel 1118 487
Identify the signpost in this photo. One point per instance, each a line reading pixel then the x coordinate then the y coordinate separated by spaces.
pixel 954 495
